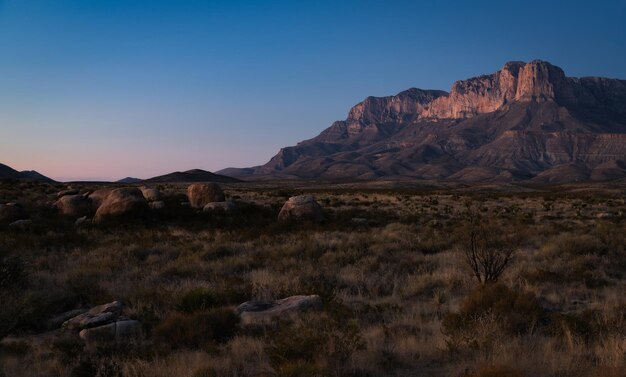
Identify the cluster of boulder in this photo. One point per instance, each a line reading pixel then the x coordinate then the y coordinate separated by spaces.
pixel 100 325
pixel 108 202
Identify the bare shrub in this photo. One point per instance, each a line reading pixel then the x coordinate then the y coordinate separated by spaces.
pixel 487 251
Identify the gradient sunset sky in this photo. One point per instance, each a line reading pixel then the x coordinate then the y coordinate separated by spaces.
pixel 108 89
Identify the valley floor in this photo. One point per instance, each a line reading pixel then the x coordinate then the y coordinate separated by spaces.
pixel 398 296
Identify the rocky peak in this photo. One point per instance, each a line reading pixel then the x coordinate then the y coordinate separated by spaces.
pixel 516 81
pixel 540 80
pixel 402 106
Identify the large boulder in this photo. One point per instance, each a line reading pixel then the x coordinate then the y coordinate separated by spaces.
pixel 96 316
pixel 151 194
pixel 120 332
pixel 120 202
pixel 98 197
pixel 301 207
pixel 73 205
pixel 258 312
pixel 201 194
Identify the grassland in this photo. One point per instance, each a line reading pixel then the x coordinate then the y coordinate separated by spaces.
pixel 398 296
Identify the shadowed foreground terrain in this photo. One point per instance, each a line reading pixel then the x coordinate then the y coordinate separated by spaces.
pixel 398 297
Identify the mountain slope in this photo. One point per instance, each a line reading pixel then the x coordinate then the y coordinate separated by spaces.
pixel 7 172
pixel 526 121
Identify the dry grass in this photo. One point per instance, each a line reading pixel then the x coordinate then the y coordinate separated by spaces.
pixel 387 286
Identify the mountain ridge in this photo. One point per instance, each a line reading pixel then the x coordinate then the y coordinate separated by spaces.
pixel 527 121
pixel 7 172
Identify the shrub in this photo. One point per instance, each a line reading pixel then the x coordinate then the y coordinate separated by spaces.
pixel 197 330
pixel 198 299
pixel 506 310
pixel 204 372
pixel 497 371
pixel 486 251
pixel 12 273
pixel 318 339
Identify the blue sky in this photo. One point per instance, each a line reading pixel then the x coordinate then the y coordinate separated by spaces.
pixel 106 89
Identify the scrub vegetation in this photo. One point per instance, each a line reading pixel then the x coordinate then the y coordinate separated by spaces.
pixel 416 281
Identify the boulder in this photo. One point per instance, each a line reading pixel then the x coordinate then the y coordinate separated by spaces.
pixel 201 194
pixel 124 331
pixel 120 202
pixel 157 205
pixel 301 207
pixel 73 205
pixel 258 312
pixel 96 316
pixel 21 224
pixel 81 221
pixel 98 197
pixel 151 194
pixel 11 212
pixel 223 208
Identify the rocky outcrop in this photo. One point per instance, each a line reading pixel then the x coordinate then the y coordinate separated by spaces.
pixel 301 208
pixel 121 202
pixel 101 325
pixel 515 124
pixel 259 312
pixel 201 194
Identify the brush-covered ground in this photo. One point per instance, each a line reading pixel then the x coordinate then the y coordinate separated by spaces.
pixel 399 298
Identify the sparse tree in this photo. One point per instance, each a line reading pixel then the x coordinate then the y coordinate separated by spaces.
pixel 487 250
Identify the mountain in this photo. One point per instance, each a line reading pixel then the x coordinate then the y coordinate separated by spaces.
pixel 7 172
pixel 130 180
pixel 195 175
pixel 528 121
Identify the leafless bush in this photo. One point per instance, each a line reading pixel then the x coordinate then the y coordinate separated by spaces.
pixel 487 250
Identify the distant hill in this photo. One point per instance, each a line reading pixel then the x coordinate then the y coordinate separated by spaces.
pixel 528 121
pixel 7 172
pixel 130 180
pixel 195 175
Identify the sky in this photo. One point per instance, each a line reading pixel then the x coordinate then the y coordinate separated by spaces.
pixel 104 89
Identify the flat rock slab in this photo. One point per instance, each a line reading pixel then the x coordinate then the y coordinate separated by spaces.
pixel 59 319
pixel 96 316
pixel 257 312
pixel 116 332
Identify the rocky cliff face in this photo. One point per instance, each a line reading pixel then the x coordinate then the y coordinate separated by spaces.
pixel 526 121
